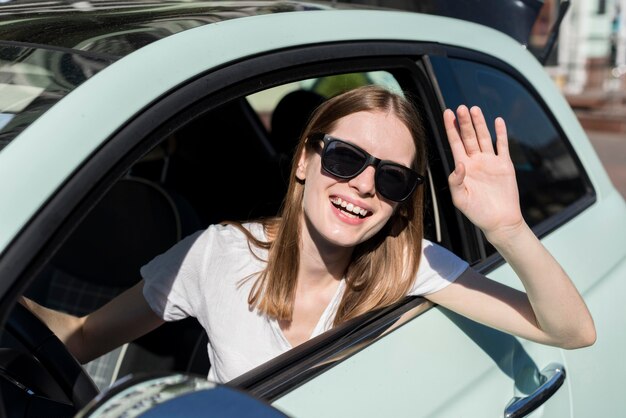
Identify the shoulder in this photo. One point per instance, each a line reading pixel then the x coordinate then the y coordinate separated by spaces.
pixel 438 267
pixel 230 236
pixel 434 254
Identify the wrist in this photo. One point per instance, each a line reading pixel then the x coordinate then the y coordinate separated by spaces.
pixel 506 234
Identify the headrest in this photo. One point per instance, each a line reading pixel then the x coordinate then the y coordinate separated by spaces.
pixel 290 117
pixel 135 221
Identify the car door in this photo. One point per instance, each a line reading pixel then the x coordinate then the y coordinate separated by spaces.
pixel 555 169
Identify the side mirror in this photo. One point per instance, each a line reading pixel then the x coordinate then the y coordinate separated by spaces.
pixel 169 395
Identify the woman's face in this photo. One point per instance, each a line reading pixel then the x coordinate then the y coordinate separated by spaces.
pixel 334 207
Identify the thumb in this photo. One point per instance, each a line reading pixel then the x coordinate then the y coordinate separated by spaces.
pixel 457 176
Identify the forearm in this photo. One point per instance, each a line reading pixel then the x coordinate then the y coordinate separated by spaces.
pixel 559 309
pixel 126 317
pixel 122 320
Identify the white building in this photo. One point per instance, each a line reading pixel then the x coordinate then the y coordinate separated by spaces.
pixel 591 53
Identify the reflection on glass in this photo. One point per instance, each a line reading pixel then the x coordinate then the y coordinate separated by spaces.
pixel 33 79
pixel 4 119
pixel 548 176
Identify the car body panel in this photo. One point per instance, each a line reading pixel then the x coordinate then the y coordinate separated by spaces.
pixel 597 372
pixel 421 358
pixel 600 231
pixel 53 161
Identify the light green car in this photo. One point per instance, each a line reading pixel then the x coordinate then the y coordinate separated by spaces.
pixel 125 126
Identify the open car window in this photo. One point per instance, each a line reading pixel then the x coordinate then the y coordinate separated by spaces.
pixel 230 163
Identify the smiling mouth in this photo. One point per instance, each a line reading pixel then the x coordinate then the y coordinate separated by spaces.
pixel 349 209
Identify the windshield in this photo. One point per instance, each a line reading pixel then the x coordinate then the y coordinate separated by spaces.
pixel 32 79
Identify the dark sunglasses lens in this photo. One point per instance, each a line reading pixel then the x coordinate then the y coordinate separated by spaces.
pixel 395 182
pixel 342 160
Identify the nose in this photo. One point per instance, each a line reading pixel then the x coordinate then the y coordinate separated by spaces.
pixel 364 182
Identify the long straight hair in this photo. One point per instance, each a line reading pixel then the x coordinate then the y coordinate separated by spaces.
pixel 383 268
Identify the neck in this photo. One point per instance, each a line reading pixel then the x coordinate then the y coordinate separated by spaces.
pixel 321 264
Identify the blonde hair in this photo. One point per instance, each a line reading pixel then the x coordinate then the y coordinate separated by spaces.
pixel 383 268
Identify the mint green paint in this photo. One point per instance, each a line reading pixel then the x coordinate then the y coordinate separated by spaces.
pixel 46 153
pixel 597 373
pixel 427 368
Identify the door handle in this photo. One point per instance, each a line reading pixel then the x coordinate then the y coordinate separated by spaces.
pixel 552 376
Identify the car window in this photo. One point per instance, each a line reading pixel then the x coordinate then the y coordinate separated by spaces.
pixel 164 197
pixel 549 177
pixel 30 84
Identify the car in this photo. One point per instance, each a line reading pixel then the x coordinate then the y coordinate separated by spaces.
pixel 125 126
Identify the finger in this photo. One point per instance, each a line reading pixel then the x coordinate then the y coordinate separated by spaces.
pixel 455 180
pixel 468 133
pixel 482 131
pixel 502 139
pixel 454 136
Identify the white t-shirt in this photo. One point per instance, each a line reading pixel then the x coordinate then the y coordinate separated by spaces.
pixel 201 276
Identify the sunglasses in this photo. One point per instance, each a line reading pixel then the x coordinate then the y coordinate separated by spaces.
pixel 344 160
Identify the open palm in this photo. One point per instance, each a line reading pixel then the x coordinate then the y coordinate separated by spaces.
pixel 483 185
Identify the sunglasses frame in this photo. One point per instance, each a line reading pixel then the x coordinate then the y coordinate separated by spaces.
pixel 370 160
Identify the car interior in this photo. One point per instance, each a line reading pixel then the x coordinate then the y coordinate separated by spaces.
pixel 171 192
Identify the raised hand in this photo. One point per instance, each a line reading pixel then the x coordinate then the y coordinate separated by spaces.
pixel 483 184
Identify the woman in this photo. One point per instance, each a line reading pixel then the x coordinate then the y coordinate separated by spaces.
pixel 349 239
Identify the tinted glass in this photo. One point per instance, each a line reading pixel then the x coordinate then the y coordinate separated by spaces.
pixel 548 175
pixel 33 79
pixel 119 27
pixel 343 159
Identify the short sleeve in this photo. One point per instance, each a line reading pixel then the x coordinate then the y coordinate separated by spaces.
pixel 438 268
pixel 172 279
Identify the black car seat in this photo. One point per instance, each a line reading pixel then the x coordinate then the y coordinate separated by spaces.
pixel 224 165
pixel 288 120
pixel 133 222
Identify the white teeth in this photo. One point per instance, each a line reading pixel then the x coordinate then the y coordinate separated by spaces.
pixel 350 207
